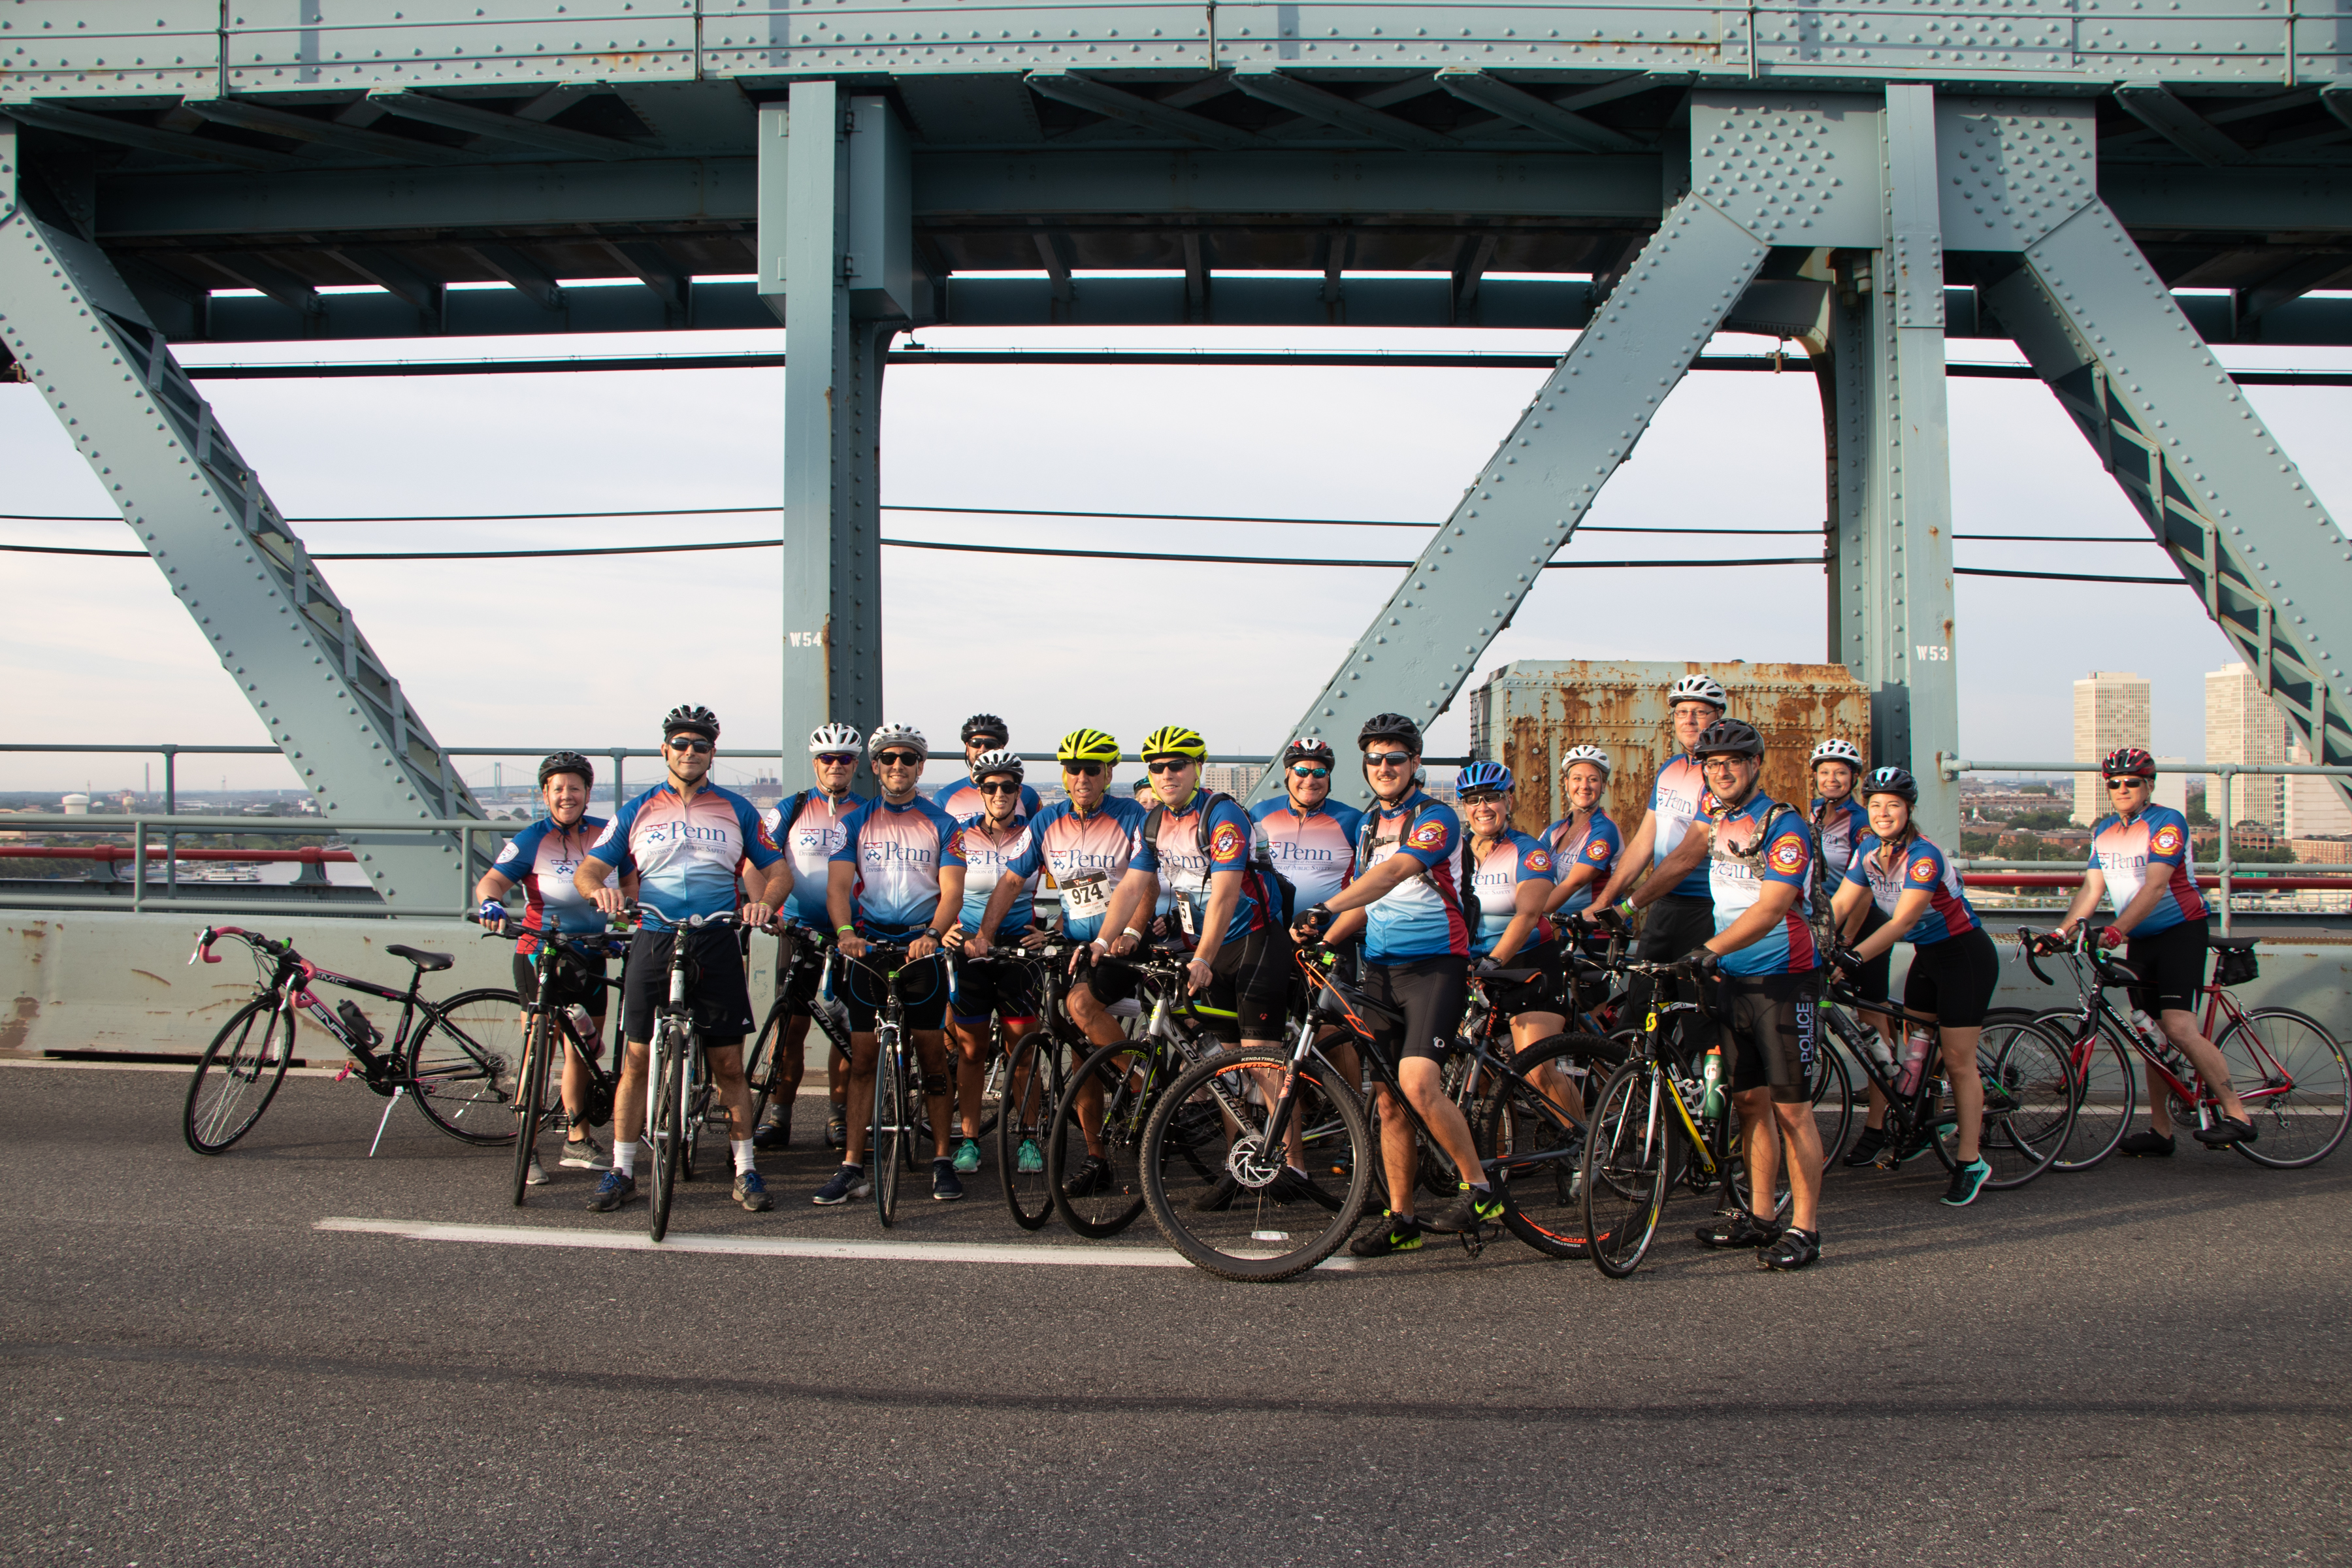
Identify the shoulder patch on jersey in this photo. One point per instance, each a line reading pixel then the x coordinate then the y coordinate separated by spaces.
pixel 1428 836
pixel 1225 843
pixel 512 851
pixel 955 842
pixel 1788 854
pixel 1923 871
pixel 1596 850
pixel 1539 861
pixel 2166 840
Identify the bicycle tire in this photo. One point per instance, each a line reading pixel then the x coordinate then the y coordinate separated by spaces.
pixel 237 1075
pixel 1130 1088
pixel 763 1067
pixel 462 1063
pixel 1533 1151
pixel 2107 1087
pixel 1034 1079
pixel 889 1131
pixel 1232 1240
pixel 1833 1099
pixel 666 1124
pixel 531 1098
pixel 2028 1070
pixel 1628 1160
pixel 2314 1060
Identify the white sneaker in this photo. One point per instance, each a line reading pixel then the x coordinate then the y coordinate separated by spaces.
pixel 535 1177
pixel 586 1155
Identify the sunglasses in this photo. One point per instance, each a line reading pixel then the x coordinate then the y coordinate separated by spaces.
pixel 2127 784
pixel 1387 758
pixel 689 744
pixel 837 758
pixel 1000 789
pixel 1084 770
pixel 1484 797
pixel 984 743
pixel 1306 773
pixel 1168 765
pixel 899 759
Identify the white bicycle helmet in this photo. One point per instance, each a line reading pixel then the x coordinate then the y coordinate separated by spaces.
pixel 1004 760
pixel 1594 754
pixel 1837 751
pixel 835 738
pixel 1698 688
pixel 905 736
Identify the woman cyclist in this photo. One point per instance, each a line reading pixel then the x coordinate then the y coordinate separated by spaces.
pixel 1509 875
pixel 989 987
pixel 1954 965
pixel 1840 825
pixel 1584 843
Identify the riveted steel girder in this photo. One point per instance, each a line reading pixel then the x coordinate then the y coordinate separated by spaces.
pixel 292 646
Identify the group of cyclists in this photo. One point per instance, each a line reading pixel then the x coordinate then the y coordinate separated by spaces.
pixel 1760 900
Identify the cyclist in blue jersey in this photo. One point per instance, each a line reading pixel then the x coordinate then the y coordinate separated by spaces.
pixel 1311 839
pixel 987 987
pixel 1509 878
pixel 540 859
pixel 808 827
pixel 1840 825
pixel 1405 899
pixel 685 840
pixel 2140 855
pixel 885 887
pixel 959 798
pixel 1585 844
pixel 1954 966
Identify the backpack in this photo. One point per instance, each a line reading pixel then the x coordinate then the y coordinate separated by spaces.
pixel 1280 895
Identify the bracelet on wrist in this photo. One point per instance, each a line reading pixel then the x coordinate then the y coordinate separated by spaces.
pixel 844 931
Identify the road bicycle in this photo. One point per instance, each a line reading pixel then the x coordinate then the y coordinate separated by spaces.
pixel 1036 1073
pixel 898 1118
pixel 808 989
pixel 676 1073
pixel 2287 1068
pixel 559 964
pixel 455 1059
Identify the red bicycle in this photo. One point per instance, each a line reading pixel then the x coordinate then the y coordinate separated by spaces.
pixel 2286 1065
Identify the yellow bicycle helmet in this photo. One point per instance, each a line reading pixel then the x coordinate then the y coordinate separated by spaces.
pixel 1174 741
pixel 1086 746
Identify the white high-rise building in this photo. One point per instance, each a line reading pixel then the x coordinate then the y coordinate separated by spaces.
pixel 2242 725
pixel 2110 710
pixel 2315 806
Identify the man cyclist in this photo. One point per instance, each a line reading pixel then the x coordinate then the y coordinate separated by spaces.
pixel 1311 839
pixel 1683 911
pixel 982 733
pixel 1403 898
pixel 809 826
pixel 1085 842
pixel 685 840
pixel 2140 854
pixel 884 886
pixel 988 987
pixel 542 859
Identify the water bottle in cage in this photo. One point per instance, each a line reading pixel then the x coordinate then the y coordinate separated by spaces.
pixel 1915 1047
pixel 357 1022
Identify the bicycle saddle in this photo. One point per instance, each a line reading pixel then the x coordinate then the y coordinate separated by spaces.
pixel 426 962
pixel 1509 976
pixel 2231 944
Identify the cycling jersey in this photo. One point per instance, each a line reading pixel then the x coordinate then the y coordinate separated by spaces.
pixel 810 838
pixel 1183 870
pixel 1843 826
pixel 1738 872
pixel 1596 847
pixel 540 860
pixel 1675 801
pixel 1920 868
pixel 2128 850
pixel 1494 890
pixel 984 850
pixel 964 801
pixel 687 851
pixel 1087 855
pixel 896 851
pixel 1422 916
pixel 1317 850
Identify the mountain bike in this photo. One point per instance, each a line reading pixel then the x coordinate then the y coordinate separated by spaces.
pixel 1037 1070
pixel 560 963
pixel 677 1077
pixel 457 1065
pixel 2287 1068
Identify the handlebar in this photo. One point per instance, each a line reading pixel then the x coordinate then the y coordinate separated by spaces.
pixel 252 939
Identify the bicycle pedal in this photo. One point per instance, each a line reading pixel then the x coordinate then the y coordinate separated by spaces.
pixel 1472 1242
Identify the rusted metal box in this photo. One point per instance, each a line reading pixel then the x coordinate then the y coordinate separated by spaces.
pixel 1528 712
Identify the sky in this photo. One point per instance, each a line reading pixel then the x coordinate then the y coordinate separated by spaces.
pixel 98 651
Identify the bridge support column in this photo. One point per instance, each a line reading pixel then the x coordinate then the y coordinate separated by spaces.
pixel 293 647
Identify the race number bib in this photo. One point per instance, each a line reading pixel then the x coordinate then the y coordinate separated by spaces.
pixel 1184 917
pixel 1086 896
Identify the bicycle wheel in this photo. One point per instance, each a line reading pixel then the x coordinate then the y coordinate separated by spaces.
pixel 2030 1099
pixel 891 1132
pixel 1628 1160
pixel 1236 1227
pixel 1833 1099
pixel 531 1099
pixel 1532 1149
pixel 668 1124
pixel 239 1075
pixel 2106 1090
pixel 1125 1079
pixel 1033 1087
pixel 463 1062
pixel 2291 1075
pixel 763 1069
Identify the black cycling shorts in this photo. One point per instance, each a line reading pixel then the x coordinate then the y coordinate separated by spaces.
pixel 799 960
pixel 2171 968
pixel 1003 988
pixel 1541 995
pixel 1671 927
pixel 1768 1029
pixel 922 993
pixel 1110 980
pixel 1251 975
pixel 1874 979
pixel 569 987
pixel 1954 979
pixel 718 994
pixel 1431 992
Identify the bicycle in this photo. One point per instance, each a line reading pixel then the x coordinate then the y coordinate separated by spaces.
pixel 561 963
pixel 457 1066
pixel 808 985
pixel 676 1076
pixel 897 1075
pixel 2301 1098
pixel 1036 1073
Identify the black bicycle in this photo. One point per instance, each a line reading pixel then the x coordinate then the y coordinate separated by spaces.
pixel 899 1116
pixel 559 964
pixel 675 1074
pixel 806 989
pixel 1036 1073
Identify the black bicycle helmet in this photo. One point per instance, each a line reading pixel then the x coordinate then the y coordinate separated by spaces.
pixel 1308 749
pixel 1390 727
pixel 567 762
pixel 1736 737
pixel 987 724
pixel 2128 762
pixel 694 719
pixel 1891 780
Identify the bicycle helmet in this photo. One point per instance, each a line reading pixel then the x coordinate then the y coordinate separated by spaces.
pixel 1479 777
pixel 1835 749
pixel 999 760
pixel 904 736
pixel 2127 762
pixel 1390 727
pixel 1594 754
pixel 1698 688
pixel 1736 737
pixel 1309 749
pixel 692 718
pixel 984 725
pixel 1086 746
pixel 835 738
pixel 1891 780
pixel 567 762
pixel 1174 741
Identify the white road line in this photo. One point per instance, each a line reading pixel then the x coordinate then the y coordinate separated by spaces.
pixel 777 1247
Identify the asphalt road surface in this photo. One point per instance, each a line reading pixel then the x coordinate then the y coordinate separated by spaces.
pixel 2144 1363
